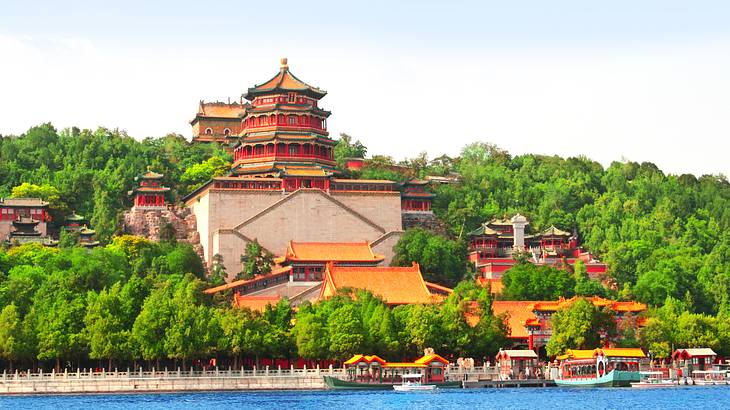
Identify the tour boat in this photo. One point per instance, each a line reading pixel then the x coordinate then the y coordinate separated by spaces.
pixel 654 379
pixel 412 382
pixel 599 368
pixel 709 377
pixel 339 384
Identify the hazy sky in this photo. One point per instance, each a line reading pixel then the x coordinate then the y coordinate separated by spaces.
pixel 638 80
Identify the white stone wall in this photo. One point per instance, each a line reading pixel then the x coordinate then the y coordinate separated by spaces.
pixel 274 218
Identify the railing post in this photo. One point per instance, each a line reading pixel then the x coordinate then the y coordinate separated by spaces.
pixel 140 371
pixel 216 371
pixel 332 369
pixel 178 371
pixel 317 369
pixel 267 370
pixel 254 370
pixel 53 374
pixel 16 374
pixel 78 373
pixel 40 374
pixel 278 371
pixel 291 370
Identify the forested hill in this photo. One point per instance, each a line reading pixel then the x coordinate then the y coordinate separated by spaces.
pixel 662 235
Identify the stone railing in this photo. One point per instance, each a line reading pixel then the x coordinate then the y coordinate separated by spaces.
pixel 178 373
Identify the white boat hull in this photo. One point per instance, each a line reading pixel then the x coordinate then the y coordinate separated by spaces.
pixel 663 383
pixel 406 388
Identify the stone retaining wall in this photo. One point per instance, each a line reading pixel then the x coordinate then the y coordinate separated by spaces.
pixel 70 385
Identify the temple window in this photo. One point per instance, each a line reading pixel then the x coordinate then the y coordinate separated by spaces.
pixel 208 131
pixel 226 132
pixel 294 149
pixel 292 120
pixel 292 97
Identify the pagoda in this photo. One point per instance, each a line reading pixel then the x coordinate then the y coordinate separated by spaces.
pixel 87 237
pixel 284 134
pixel 74 222
pixel 150 194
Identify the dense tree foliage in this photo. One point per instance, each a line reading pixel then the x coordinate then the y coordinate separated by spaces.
pixel 580 326
pixel 91 171
pixel 442 260
pixel 344 325
pixel 665 238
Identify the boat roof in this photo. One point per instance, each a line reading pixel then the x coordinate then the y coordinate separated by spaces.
pixel 412 376
pixel 710 371
pixel 651 372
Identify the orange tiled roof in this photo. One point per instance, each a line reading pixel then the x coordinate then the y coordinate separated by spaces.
pixel 257 303
pixel 496 284
pixel 620 352
pixel 518 313
pixel 396 285
pixel 220 110
pixel 242 282
pixel 332 252
pixel 430 358
pixel 552 306
pixel 404 364
pixel 438 288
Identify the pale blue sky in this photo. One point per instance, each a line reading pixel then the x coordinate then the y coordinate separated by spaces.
pixel 642 80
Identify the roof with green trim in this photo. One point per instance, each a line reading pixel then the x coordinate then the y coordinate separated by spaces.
pixel 284 81
pixel 553 231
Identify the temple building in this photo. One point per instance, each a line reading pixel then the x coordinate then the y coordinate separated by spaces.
pixel 150 194
pixel 217 122
pixel 284 185
pixel 492 245
pixel 529 321
pixel 316 271
pixel 24 220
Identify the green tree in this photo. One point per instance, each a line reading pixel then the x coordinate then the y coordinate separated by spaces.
pixel 580 326
pixel 346 333
pixel 526 281
pixel 441 259
pixel 105 331
pixel 14 343
pixel 346 148
pixel 256 261
pixel 197 174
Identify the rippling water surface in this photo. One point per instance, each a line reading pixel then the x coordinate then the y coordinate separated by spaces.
pixel 525 398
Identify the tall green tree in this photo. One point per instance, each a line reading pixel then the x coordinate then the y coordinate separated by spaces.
pixel 580 326
pixel 256 261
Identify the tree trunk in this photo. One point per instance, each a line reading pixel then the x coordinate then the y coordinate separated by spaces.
pixel 109 368
pixel 58 364
pixel 11 365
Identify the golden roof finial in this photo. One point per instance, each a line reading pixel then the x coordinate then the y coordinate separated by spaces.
pixel 149 168
pixel 284 62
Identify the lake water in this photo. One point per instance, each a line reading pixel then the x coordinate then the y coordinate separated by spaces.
pixel 692 397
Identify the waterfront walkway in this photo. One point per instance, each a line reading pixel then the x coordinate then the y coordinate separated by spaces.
pixel 83 381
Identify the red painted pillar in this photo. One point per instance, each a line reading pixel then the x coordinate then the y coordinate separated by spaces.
pixel 531 342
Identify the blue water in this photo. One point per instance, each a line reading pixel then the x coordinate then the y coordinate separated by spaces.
pixel 693 397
